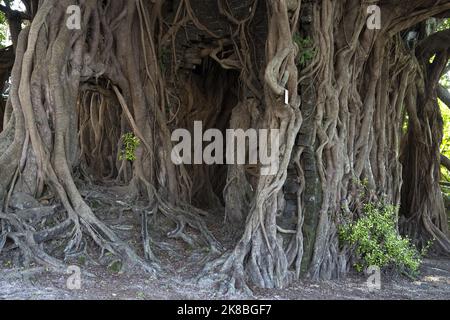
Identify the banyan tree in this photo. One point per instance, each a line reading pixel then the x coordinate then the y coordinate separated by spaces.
pixel 351 85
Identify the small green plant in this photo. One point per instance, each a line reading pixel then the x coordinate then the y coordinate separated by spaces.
pixel 140 295
pixel 82 260
pixel 378 242
pixel 130 143
pixel 306 50
pixel 115 266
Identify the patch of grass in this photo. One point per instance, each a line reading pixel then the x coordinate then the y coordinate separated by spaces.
pixel 140 296
pixel 115 266
pixel 82 260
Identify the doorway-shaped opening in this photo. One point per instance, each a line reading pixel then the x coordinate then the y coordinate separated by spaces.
pixel 100 126
pixel 209 97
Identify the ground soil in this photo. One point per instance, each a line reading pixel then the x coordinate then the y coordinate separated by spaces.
pixel 98 283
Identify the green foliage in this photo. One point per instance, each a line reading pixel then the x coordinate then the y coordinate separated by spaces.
pixel 82 260
pixel 130 144
pixel 445 80
pixel 306 48
pixel 115 266
pixel 140 295
pixel 445 111
pixel 445 147
pixel 377 241
pixel 443 25
pixel 3 30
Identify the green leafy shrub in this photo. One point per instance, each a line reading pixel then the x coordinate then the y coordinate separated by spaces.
pixel 378 243
pixel 130 143
pixel 445 146
pixel 306 50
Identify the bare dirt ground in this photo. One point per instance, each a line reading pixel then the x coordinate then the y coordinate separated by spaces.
pixel 37 284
